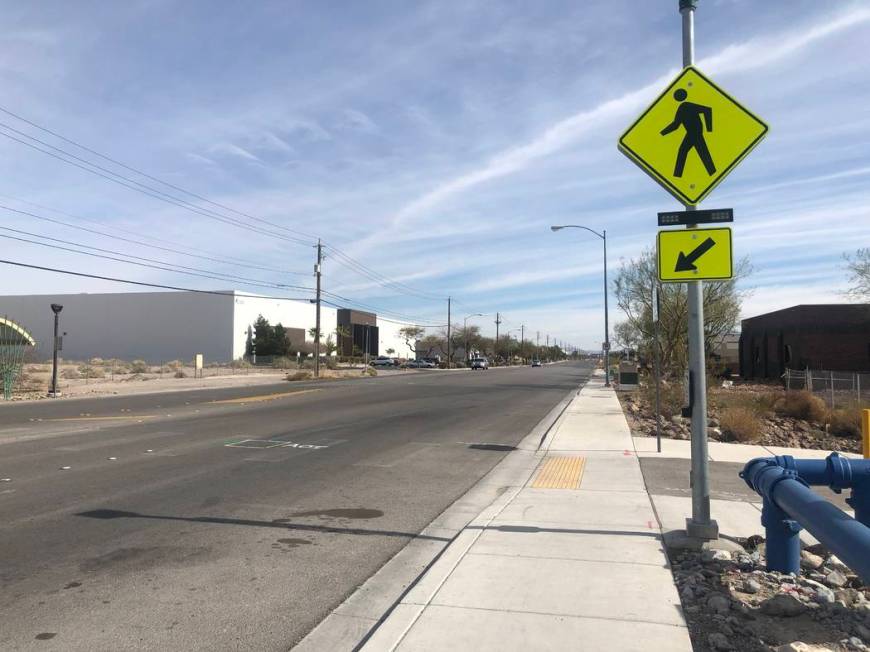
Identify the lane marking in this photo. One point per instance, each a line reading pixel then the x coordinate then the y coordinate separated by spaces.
pixel 264 397
pixel 116 418
pixel 560 473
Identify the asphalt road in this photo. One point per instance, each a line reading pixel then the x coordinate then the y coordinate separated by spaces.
pixel 236 518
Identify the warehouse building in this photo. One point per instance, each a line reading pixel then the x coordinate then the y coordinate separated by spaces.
pixel 161 326
pixel 832 337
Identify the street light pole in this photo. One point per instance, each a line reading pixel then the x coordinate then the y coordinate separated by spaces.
pixel 603 236
pixel 55 308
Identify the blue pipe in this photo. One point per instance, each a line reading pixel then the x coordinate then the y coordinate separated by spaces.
pixel 789 503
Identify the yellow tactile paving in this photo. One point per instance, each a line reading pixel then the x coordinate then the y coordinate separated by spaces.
pixel 265 397
pixel 560 473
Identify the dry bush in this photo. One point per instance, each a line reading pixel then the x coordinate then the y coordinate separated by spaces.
pixel 299 375
pixel 741 423
pixel 96 362
pixel 371 371
pixel 139 367
pixel 180 374
pixel 174 365
pixel 307 364
pixel 70 374
pixel 283 362
pixel 90 371
pixel 761 403
pixel 673 396
pixel 241 363
pixel 846 421
pixel 331 362
pixel 803 405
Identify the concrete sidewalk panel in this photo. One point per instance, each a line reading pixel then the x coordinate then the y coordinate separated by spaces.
pixel 563 587
pixel 637 546
pixel 446 628
pixel 612 473
pixel 735 518
pixel 604 509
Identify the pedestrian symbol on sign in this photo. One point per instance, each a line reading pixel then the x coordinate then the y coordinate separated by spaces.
pixel 689 117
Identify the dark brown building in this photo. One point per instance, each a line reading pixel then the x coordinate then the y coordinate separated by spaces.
pixel 831 337
pixel 362 333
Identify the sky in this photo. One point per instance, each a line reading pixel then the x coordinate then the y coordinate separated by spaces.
pixel 433 142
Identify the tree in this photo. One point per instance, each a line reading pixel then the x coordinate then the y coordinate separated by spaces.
pixel 391 351
pixel 262 340
pixel 633 290
pixel 329 345
pixel 411 334
pixel 859 275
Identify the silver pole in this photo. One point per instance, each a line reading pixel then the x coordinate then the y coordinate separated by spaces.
pixel 658 366
pixel 700 525
pixel 606 323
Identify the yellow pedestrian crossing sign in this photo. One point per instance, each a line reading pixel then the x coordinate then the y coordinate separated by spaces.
pixel 695 255
pixel 692 136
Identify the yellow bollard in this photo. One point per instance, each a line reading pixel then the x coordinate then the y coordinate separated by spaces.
pixel 865 424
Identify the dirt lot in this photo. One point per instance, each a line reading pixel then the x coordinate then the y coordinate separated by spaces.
pixel 76 379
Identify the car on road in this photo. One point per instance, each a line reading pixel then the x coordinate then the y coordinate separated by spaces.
pixel 383 361
pixel 536 363
pixel 479 363
pixel 419 364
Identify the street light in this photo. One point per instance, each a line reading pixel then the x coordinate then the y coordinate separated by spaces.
pixel 465 330
pixel 55 308
pixel 603 236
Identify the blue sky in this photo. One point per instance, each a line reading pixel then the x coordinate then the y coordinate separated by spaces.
pixel 433 141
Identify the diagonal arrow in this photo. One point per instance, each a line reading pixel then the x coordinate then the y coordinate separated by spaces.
pixel 686 262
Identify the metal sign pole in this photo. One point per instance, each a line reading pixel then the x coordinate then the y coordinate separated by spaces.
pixel 658 364
pixel 700 525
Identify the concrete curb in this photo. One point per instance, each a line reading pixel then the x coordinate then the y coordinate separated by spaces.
pixel 351 624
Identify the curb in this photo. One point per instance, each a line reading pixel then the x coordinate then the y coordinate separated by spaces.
pixel 356 620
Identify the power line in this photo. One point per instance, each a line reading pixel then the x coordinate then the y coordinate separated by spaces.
pixel 142 188
pixel 159 265
pixel 145 244
pixel 348 261
pixel 144 284
pixel 148 176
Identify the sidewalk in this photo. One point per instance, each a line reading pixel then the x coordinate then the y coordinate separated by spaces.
pixel 572 559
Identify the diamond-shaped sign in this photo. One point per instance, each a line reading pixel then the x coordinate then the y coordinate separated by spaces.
pixel 692 136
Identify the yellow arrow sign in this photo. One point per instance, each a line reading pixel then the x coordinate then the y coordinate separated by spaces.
pixel 695 255
pixel 692 136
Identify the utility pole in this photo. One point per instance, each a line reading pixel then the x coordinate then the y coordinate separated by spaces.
pixel 538 344
pixel 495 346
pixel 700 525
pixel 448 332
pixel 523 343
pixel 317 318
pixel 55 308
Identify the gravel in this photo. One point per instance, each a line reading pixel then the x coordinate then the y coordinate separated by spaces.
pixel 732 603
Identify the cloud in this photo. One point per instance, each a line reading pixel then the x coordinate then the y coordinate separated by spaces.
pixel 357 120
pixel 233 150
pixel 744 56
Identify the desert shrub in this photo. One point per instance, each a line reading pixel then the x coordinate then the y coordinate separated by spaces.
pixel 70 374
pixel 761 403
pixel 283 362
pixel 180 374
pixel 90 371
pixel 174 365
pixel 307 364
pixel 139 367
pixel 741 424
pixel 673 396
pixel 803 405
pixel 371 371
pixel 846 421
pixel 96 362
pixel 241 363
pixel 299 375
pixel 331 362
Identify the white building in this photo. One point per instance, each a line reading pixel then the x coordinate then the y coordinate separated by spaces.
pixel 162 326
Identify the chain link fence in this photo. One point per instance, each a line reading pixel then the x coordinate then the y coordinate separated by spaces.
pixel 837 388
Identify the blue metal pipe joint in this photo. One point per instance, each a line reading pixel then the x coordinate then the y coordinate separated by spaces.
pixel 789 504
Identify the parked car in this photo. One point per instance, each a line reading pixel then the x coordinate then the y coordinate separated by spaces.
pixel 479 363
pixel 536 363
pixel 418 364
pixel 383 361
